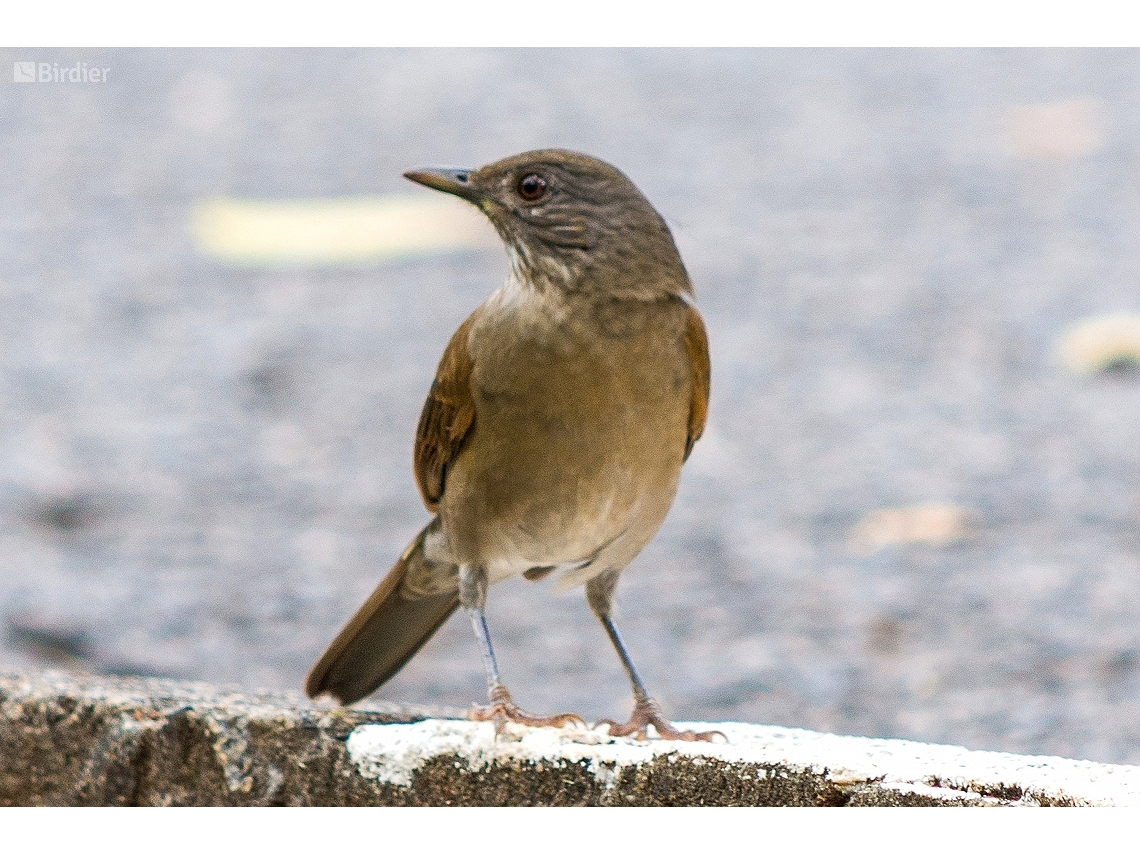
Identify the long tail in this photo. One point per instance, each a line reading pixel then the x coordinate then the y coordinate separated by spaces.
pixel 389 628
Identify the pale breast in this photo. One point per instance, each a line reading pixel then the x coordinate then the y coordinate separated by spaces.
pixel 579 433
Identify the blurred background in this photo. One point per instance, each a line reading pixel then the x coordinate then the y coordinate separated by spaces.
pixel 913 513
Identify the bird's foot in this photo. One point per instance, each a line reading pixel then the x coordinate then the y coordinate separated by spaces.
pixel 647 712
pixel 502 709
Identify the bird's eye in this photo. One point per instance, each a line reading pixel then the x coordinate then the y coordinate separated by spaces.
pixel 532 187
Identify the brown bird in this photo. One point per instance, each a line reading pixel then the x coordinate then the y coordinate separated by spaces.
pixel 553 435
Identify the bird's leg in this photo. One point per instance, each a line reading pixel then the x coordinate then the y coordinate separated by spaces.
pixel 500 708
pixel 646 711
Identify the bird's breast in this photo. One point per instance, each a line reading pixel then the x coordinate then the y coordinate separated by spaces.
pixel 579 434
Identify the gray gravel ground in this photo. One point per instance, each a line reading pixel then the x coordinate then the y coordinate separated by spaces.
pixel 205 469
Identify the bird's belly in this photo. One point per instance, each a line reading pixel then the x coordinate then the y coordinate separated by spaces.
pixel 552 479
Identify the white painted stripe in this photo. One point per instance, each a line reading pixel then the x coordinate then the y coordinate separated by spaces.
pixel 392 753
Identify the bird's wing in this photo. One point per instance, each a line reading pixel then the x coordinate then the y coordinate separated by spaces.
pixel 697 344
pixel 447 417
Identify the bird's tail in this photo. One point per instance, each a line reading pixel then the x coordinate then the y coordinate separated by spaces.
pixel 404 611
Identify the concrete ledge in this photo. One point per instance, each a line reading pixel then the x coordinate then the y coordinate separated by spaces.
pixel 107 741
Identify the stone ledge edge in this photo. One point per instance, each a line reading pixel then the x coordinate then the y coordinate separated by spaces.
pixel 81 740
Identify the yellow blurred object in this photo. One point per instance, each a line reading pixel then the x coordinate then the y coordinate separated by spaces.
pixel 1058 130
pixel 316 232
pixel 933 523
pixel 1097 344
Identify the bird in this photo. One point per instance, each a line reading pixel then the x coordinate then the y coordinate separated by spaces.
pixel 554 432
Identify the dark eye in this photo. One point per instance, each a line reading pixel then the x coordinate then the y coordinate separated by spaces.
pixel 532 187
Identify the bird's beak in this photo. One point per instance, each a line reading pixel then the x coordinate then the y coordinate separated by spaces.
pixel 457 182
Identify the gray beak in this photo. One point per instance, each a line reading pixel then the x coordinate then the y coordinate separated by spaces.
pixel 453 181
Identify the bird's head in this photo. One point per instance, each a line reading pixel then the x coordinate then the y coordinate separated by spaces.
pixel 571 221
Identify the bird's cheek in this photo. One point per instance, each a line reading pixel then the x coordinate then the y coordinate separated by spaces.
pixel 489 206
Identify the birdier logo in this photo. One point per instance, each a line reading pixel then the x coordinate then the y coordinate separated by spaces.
pixel 53 72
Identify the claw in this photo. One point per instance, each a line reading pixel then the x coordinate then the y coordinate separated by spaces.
pixel 502 709
pixel 647 713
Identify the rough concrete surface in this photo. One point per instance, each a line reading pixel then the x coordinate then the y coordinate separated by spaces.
pixel 129 741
